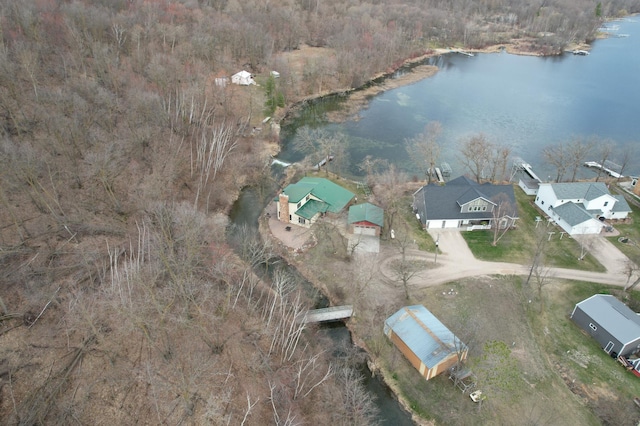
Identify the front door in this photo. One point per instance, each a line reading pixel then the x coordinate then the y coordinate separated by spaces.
pixel 608 348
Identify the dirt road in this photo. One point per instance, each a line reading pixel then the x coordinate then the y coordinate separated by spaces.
pixel 455 262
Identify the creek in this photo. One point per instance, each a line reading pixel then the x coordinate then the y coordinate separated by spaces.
pixel 245 213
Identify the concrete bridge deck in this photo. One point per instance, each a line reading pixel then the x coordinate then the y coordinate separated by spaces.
pixel 328 314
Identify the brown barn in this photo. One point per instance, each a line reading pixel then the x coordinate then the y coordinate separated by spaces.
pixel 428 345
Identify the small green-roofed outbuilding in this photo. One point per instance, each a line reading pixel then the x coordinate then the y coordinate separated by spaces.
pixel 366 212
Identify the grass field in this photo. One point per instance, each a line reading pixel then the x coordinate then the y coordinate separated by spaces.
pixel 518 245
pixel 631 231
pixel 546 371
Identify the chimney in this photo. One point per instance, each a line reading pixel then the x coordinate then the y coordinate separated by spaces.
pixel 283 202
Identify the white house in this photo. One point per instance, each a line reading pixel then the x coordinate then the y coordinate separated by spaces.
pixel 302 203
pixel 243 78
pixel 580 207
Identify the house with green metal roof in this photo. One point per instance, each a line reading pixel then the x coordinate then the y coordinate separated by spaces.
pixel 425 341
pixel 303 202
pixel 580 207
pixel 365 219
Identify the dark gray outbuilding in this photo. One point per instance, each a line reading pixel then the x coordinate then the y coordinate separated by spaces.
pixel 610 322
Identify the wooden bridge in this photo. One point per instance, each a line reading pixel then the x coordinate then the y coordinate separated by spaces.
pixel 333 313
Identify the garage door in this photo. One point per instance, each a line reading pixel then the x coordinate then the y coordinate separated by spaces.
pixel 364 230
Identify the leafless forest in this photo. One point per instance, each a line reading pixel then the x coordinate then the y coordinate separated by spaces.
pixel 120 299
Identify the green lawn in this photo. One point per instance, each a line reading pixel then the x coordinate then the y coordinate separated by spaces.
pixel 631 231
pixel 557 371
pixel 517 245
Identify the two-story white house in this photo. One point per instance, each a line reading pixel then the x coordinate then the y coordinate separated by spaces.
pixel 580 207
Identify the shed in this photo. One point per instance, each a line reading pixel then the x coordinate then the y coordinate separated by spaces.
pixel 529 185
pixel 427 343
pixel 365 219
pixel 610 322
pixel 243 78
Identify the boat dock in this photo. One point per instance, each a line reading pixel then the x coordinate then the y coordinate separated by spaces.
pixel 446 169
pixel 462 52
pixel 609 168
pixel 436 173
pixel 520 165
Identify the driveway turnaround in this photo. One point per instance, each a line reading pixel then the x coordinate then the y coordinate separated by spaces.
pixel 455 261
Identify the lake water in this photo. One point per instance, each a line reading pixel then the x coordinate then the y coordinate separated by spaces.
pixel 526 102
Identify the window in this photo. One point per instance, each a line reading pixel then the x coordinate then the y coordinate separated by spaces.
pixel 605 203
pixel 299 204
pixel 542 202
pixel 307 199
pixel 484 208
pixel 593 327
pixel 301 220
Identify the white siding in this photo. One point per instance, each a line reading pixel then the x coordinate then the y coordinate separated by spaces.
pixel 599 203
pixel 439 224
pixel 364 230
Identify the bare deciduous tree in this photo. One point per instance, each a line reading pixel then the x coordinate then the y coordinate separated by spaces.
pixel 567 157
pixel 405 268
pixel 424 149
pixel 211 150
pixel 475 155
pixel 320 146
pixel 557 156
pixel 604 150
pixel 503 216
pixel 388 193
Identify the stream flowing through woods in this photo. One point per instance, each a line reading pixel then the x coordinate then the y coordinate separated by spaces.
pixel 245 214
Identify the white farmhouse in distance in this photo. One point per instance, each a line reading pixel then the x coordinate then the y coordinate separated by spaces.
pixel 243 78
pixel 580 207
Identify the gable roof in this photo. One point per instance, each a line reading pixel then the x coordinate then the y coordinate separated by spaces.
pixel 366 212
pixel 312 208
pixel 435 202
pixel 612 315
pixel 470 195
pixel 573 213
pixel 621 205
pixel 579 190
pixel 335 196
pixel 429 339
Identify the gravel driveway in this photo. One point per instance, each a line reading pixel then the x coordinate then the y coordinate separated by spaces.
pixel 455 261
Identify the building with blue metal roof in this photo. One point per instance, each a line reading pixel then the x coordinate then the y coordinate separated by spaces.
pixel 427 343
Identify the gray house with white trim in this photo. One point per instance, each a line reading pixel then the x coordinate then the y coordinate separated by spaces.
pixel 610 322
pixel 463 202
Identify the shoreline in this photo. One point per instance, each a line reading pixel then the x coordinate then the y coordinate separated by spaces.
pixel 357 98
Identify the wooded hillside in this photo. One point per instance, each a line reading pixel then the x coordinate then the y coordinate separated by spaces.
pixel 120 298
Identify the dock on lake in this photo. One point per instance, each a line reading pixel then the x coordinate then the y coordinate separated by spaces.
pixel 520 165
pixel 610 168
pixel 333 313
